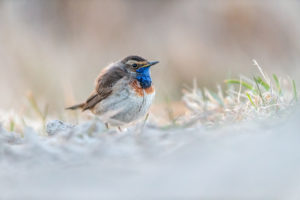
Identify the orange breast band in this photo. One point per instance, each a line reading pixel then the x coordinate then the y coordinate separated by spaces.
pixel 139 90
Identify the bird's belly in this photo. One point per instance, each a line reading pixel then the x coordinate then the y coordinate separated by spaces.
pixel 124 106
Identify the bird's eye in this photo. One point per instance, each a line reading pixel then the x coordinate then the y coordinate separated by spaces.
pixel 134 65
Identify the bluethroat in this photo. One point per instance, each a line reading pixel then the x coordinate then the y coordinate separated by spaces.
pixel 123 92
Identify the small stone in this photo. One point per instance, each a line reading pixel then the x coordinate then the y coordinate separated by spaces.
pixel 55 126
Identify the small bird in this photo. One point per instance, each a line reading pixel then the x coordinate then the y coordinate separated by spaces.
pixel 124 92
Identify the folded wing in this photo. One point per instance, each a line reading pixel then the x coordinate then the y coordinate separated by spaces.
pixel 104 87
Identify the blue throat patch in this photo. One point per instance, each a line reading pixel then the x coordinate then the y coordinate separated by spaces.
pixel 143 76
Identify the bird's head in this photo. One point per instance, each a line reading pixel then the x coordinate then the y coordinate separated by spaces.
pixel 139 68
pixel 137 64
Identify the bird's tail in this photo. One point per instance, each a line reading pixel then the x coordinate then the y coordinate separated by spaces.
pixel 76 107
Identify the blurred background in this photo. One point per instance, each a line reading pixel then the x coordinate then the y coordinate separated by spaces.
pixel 55 49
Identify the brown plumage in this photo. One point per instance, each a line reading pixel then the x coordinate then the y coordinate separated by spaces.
pixel 123 92
pixel 103 89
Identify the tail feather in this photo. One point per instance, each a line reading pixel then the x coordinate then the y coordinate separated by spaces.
pixel 81 106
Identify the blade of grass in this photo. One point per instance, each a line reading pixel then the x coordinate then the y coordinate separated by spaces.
pixel 259 91
pixel 214 97
pixel 239 94
pixel 34 105
pixel 45 113
pixel 263 83
pixel 220 93
pixel 42 115
pixel 12 125
pixel 251 101
pixel 295 90
pixel 24 122
pixel 261 70
pixel 243 83
pixel 277 84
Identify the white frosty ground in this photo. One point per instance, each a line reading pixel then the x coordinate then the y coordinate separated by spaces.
pixel 255 160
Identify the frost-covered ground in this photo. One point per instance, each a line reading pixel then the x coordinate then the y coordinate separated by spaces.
pixel 243 143
pixel 249 160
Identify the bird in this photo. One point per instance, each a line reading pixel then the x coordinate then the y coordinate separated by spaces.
pixel 123 92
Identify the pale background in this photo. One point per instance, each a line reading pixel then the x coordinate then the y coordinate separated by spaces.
pixel 55 49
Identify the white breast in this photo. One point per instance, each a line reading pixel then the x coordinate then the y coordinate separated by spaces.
pixel 124 105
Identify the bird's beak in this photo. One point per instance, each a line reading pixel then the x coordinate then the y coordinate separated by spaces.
pixel 149 64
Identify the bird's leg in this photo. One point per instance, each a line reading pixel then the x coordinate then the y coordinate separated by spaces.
pixel 107 126
pixel 120 129
pixel 146 118
pixel 145 121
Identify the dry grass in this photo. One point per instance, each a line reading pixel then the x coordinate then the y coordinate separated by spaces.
pixel 245 98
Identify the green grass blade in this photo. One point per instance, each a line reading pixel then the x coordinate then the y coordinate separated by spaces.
pixel 35 106
pixel 251 101
pixel 259 91
pixel 295 90
pixel 12 126
pixel 243 83
pixel 263 83
pixel 277 84
pixel 45 113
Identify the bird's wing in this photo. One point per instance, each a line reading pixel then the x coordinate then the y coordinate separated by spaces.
pixel 104 86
